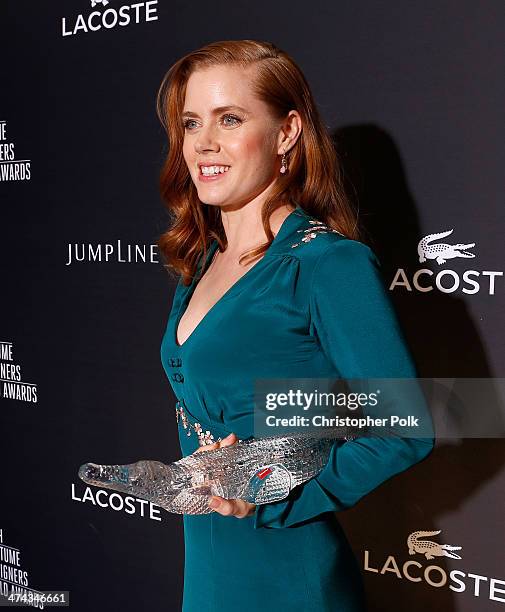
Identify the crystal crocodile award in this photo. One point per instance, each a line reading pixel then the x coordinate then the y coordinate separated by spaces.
pixel 259 471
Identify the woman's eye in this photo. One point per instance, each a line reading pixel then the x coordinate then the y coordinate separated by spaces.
pixel 235 120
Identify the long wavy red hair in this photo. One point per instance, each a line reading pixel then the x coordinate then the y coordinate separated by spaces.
pixel 313 181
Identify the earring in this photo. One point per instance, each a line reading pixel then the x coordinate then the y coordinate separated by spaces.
pixel 284 164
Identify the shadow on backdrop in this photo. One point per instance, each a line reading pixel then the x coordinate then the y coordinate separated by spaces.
pixel 445 342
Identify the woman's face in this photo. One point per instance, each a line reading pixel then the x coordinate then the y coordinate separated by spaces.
pixel 226 125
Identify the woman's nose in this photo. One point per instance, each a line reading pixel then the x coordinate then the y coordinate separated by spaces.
pixel 207 139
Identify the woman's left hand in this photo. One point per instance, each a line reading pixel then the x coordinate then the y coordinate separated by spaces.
pixel 228 507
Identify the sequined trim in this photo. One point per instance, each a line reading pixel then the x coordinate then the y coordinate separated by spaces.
pixel 204 437
pixel 316 228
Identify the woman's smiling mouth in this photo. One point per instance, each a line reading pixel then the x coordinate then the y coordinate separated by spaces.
pixel 211 171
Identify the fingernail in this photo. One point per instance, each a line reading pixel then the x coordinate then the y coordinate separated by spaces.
pixel 214 502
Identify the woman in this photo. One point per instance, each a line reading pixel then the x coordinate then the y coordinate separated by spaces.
pixel 251 170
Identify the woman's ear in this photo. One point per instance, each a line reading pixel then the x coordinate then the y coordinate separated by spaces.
pixel 289 133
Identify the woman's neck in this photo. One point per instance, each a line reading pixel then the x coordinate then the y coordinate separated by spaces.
pixel 244 229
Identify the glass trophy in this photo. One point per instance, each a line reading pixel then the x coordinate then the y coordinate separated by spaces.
pixel 258 471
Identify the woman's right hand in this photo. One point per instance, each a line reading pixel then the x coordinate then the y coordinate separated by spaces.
pixel 227 507
pixel 228 441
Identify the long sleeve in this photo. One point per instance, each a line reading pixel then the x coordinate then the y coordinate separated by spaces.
pixel 355 323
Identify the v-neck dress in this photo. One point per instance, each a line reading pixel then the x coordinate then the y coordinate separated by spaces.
pixel 314 306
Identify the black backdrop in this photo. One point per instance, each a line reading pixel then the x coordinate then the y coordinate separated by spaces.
pixel 414 95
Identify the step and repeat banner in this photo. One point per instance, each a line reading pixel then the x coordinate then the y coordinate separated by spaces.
pixel 413 94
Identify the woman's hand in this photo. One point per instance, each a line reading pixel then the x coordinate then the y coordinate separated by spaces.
pixel 228 507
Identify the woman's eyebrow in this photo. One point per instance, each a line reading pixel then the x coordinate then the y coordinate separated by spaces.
pixel 216 111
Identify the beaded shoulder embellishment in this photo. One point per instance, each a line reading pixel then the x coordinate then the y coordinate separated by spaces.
pixel 204 438
pixel 316 228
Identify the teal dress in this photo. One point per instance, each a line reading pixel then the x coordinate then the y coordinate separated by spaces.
pixel 313 307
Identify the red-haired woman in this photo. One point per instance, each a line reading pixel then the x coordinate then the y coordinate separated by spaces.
pixel 273 283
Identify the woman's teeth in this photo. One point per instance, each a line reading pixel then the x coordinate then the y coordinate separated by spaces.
pixel 210 170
